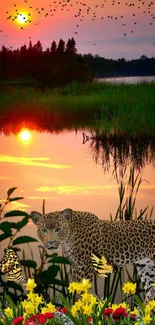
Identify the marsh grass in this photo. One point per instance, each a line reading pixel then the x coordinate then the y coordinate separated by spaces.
pixel 122 109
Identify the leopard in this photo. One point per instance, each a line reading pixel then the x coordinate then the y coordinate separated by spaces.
pixel 82 233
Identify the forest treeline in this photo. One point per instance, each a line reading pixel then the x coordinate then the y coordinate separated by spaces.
pixel 56 66
pixel 102 67
pixel 60 64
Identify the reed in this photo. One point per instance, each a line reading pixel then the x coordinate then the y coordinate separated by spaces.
pixel 123 109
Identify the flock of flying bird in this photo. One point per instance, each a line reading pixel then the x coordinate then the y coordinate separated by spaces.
pixel 83 10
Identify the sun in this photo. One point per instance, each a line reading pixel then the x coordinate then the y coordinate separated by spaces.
pixel 22 18
pixel 25 135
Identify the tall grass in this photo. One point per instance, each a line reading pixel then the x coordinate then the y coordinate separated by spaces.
pixel 120 108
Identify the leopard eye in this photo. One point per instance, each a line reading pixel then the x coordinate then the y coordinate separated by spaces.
pixel 58 229
pixel 43 231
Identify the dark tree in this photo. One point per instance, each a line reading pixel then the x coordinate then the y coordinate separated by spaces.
pixel 53 47
pixel 61 46
pixel 71 46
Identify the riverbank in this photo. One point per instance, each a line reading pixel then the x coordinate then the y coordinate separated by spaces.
pixel 123 108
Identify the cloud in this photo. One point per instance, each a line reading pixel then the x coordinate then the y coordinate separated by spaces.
pixel 16 205
pixel 141 40
pixel 8 178
pixel 39 197
pixel 77 190
pixel 37 162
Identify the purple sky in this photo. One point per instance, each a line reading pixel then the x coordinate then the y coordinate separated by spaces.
pixel 94 25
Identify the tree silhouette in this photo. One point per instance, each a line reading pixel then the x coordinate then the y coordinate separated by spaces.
pixel 61 46
pixel 60 65
pixel 53 47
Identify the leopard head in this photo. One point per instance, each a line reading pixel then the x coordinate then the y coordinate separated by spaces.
pixel 53 228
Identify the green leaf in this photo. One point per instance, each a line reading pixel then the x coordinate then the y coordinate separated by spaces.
pixel 22 223
pixel 48 276
pixel 15 285
pixel 139 303
pixel 69 315
pixel 29 263
pixel 104 307
pixel 15 198
pixel 4 236
pixel 16 213
pixel 5 227
pixel 23 240
pixel 59 260
pixel 11 190
pixel 12 305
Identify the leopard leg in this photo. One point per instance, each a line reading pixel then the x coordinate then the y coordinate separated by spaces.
pixel 146 270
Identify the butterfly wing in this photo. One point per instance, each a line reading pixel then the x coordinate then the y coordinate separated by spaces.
pixel 11 264
pixel 5 264
pixel 100 266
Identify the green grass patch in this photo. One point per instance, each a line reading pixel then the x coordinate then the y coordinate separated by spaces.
pixel 123 108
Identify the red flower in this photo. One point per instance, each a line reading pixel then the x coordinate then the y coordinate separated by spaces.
pixel 108 312
pixel 63 310
pixel 18 320
pixel 41 318
pixel 49 315
pixel 119 312
pixel 132 315
pixel 30 321
pixel 31 318
pixel 90 319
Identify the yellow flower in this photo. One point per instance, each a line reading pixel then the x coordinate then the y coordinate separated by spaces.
pixel 147 319
pixel 114 306
pixel 33 297
pixel 129 288
pixel 79 305
pixel 124 305
pixel 79 287
pixel 150 306
pixel 72 287
pixel 30 285
pixel 86 284
pixel 51 308
pixel 86 297
pixel 87 310
pixel 44 310
pixel 8 311
pixel 135 311
pixel 74 310
pixel 29 307
pixel 147 309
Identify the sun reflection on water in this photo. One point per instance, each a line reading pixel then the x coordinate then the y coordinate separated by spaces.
pixel 25 135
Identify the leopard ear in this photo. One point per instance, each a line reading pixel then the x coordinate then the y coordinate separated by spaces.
pixel 67 214
pixel 35 216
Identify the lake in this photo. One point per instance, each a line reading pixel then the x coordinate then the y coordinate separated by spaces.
pixel 128 80
pixel 69 174
pixel 70 170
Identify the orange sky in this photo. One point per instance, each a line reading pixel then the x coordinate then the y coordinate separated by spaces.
pixel 61 169
pixel 107 34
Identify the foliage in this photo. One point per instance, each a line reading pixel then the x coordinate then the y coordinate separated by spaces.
pixel 54 272
pixel 52 275
pixel 86 310
pixel 122 110
pixel 56 66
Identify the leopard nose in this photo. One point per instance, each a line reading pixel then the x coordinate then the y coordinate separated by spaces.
pixel 52 244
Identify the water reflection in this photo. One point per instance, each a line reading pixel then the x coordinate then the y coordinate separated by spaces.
pixel 114 150
pixel 25 135
pixel 57 167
